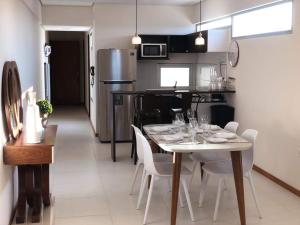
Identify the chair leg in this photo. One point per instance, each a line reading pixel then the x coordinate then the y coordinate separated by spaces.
pixel 142 180
pixel 220 187
pixel 188 199
pixel 250 179
pixel 193 173
pixel 203 188
pixel 149 199
pixel 144 185
pixel 135 176
pixel 133 147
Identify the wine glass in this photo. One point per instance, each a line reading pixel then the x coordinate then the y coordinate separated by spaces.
pixel 190 114
pixel 179 121
pixel 193 128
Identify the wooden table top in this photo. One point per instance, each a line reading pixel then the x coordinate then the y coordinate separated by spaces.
pixel 200 146
pixel 21 153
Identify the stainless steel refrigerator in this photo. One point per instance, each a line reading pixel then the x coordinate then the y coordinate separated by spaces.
pixel 116 71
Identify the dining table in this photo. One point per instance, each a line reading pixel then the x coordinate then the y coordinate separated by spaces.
pixel 166 137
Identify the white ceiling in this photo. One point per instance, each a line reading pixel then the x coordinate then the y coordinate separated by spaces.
pixel 143 2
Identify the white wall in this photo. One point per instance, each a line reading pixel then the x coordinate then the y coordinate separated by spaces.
pixel 267 98
pixel 115 26
pixel 67 15
pixel 20 40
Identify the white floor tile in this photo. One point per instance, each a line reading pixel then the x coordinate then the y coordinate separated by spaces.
pixel 90 189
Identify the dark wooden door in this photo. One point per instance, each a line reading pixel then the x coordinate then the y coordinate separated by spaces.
pixel 65 73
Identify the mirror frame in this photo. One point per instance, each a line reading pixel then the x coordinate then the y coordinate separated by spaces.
pixel 12 100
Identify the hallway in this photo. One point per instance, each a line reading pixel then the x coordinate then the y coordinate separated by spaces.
pixel 90 189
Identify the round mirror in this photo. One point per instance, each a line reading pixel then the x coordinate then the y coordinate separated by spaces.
pixel 11 99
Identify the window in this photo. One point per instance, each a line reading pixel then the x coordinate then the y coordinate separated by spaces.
pixel 218 23
pixel 270 19
pixel 171 74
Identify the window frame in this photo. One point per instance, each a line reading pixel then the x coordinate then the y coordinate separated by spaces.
pixel 212 21
pixel 175 65
pixel 259 8
pixel 278 2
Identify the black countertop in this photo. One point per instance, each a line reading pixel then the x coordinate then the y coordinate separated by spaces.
pixel 174 91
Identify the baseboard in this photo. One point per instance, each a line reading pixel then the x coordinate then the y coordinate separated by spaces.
pixel 277 180
pixel 13 213
pixel 95 133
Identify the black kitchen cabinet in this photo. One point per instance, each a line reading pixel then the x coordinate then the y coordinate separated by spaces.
pixel 178 44
pixel 186 43
pixel 175 43
pixel 154 38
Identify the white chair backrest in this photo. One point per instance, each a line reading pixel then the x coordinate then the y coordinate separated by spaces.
pixel 232 126
pixel 139 147
pixel 148 157
pixel 248 155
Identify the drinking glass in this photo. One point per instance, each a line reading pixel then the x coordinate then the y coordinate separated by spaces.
pixel 204 124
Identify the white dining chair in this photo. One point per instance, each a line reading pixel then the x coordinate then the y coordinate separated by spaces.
pixel 204 157
pixel 158 171
pixel 223 169
pixel 157 157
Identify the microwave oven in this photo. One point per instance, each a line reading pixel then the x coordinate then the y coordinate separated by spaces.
pixel 154 50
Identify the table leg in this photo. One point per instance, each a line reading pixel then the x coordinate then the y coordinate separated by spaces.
pixel 21 208
pixel 45 185
pixel 37 194
pixel 29 185
pixel 236 158
pixel 113 132
pixel 175 186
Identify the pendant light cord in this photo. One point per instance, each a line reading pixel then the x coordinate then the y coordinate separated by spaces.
pixel 200 15
pixel 136 15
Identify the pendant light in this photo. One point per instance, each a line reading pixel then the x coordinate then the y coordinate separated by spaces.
pixel 200 40
pixel 136 40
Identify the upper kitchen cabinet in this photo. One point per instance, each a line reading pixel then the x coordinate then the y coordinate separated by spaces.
pixel 186 43
pixel 155 39
pixel 218 40
pixel 158 46
pixel 178 44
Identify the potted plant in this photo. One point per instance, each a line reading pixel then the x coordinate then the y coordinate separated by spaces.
pixel 45 110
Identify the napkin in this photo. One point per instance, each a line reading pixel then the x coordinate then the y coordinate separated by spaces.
pixel 174 137
pixel 216 140
pixel 225 135
pixel 214 127
pixel 160 129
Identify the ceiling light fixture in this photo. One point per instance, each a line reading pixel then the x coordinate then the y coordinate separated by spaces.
pixel 136 40
pixel 200 40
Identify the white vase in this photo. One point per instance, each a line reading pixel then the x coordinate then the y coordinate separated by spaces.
pixel 33 126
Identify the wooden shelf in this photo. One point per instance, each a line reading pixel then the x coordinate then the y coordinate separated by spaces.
pixel 21 153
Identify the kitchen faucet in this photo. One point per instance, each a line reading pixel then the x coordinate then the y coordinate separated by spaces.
pixel 175 84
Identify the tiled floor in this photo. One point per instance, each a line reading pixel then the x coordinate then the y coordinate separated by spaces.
pixel 90 189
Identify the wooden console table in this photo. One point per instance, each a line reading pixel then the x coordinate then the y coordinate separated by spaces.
pixel 33 172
